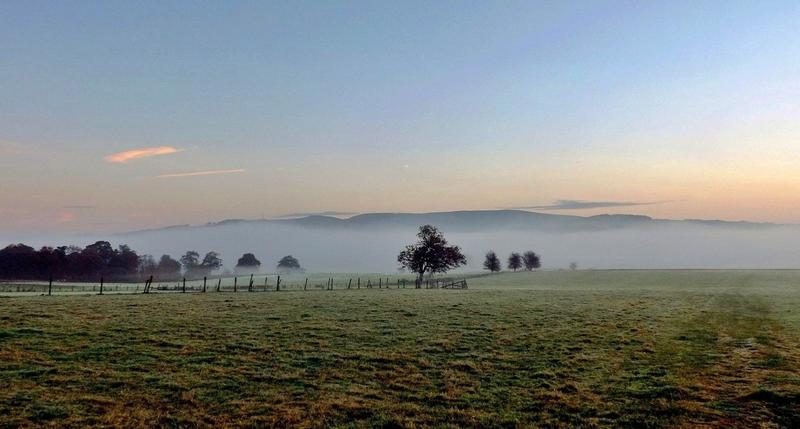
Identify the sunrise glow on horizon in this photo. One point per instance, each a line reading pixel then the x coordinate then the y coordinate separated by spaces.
pixel 118 117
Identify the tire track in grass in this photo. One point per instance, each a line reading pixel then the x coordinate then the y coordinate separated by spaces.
pixel 727 359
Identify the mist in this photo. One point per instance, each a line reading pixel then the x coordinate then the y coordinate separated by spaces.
pixel 375 250
pixel 328 246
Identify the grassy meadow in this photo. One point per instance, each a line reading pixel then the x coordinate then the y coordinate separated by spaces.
pixel 550 349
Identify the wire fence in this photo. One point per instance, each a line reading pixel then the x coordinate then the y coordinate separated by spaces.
pixel 235 284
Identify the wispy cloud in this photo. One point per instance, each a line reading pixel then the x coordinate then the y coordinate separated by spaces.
pixel 583 205
pixel 145 152
pixel 325 213
pixel 199 173
pixel 79 207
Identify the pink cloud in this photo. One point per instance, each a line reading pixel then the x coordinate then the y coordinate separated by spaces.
pixel 146 152
pixel 65 217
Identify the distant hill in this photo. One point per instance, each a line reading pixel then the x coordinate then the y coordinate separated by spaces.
pixel 370 242
pixel 481 220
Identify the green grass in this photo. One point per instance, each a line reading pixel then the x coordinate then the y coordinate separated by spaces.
pixel 552 349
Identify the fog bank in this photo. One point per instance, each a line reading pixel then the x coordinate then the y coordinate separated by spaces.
pixel 375 250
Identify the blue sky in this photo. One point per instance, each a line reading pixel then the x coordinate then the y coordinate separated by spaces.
pixel 402 106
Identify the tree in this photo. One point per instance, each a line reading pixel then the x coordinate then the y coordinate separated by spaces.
pixel 248 261
pixel 168 268
pixel 124 263
pixel 211 262
pixel 514 261
pixel 147 266
pixel 51 262
pixel 90 262
pixel 190 261
pixel 573 266
pixel 531 260
pixel 195 268
pixel 102 249
pixel 430 254
pixel 289 263
pixel 19 261
pixel 492 262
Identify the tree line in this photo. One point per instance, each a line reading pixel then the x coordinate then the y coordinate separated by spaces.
pixel 432 254
pixel 529 260
pixel 101 259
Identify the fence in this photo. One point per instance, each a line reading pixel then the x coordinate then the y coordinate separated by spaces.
pixel 250 284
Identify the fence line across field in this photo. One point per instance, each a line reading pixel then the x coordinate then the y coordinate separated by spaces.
pixel 251 283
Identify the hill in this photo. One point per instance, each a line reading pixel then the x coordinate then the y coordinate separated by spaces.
pixel 370 242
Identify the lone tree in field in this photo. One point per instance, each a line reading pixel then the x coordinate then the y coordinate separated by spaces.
pixel 531 260
pixel 492 262
pixel 430 254
pixel 248 262
pixel 514 261
pixel 289 263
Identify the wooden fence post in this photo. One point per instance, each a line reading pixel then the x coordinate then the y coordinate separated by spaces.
pixel 250 287
pixel 101 285
pixel 380 282
pixel 50 287
pixel 235 280
pixel 219 284
pixel 305 285
pixel 183 289
pixel 265 282
pixel 349 283
pixel 358 283
pixel 278 284
pixel 204 284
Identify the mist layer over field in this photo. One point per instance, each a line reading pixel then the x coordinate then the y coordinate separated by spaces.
pixel 375 250
pixel 371 242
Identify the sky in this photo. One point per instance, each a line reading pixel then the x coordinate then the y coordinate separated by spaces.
pixel 117 116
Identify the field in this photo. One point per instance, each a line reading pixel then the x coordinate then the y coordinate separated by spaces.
pixel 553 349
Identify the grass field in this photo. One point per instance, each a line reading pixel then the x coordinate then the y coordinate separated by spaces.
pixel 553 349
